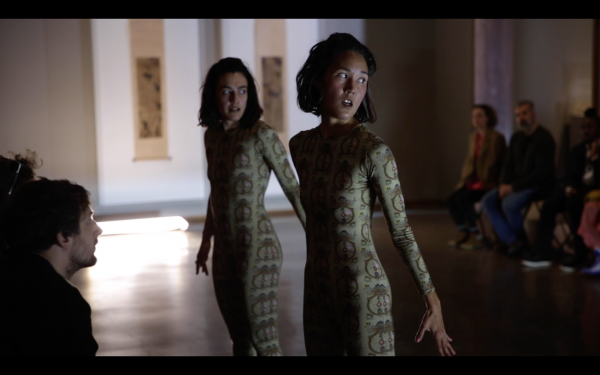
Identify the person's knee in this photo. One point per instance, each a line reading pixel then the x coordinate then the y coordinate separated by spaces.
pixel 490 200
pixel 510 205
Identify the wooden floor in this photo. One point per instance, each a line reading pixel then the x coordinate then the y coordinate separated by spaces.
pixel 147 300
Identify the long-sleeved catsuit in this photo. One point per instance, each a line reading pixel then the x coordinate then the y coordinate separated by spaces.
pixel 247 255
pixel 347 296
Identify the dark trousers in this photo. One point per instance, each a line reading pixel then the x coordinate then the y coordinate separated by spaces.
pixel 461 202
pixel 558 202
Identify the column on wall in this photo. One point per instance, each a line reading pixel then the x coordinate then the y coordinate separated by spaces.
pixel 493 69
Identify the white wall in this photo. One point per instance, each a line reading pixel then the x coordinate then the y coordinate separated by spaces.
pixel 301 35
pixel 121 180
pixel 328 26
pixel 237 40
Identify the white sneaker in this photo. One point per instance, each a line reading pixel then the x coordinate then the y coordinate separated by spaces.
pixel 566 268
pixel 536 263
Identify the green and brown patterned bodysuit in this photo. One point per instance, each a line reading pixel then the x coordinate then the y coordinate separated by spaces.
pixel 347 296
pixel 247 255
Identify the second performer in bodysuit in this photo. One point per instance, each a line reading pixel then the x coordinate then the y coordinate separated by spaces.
pixel 241 152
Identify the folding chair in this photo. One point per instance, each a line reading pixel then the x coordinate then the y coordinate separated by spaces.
pixel 562 223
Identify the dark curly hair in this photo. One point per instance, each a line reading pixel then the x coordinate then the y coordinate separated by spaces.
pixel 16 171
pixel 209 115
pixel 319 59
pixel 490 113
pixel 39 210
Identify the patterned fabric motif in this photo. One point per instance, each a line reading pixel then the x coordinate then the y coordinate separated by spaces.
pixel 247 255
pixel 347 297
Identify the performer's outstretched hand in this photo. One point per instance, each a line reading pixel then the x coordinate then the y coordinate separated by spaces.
pixel 202 256
pixel 433 321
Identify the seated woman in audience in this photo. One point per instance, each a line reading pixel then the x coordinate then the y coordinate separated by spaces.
pixel 241 152
pixel 480 173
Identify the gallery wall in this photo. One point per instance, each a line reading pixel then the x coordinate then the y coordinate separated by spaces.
pixel 46 96
pixel 328 26
pixel 553 67
pixel 80 125
pixel 422 93
pixel 301 35
pixel 123 180
pixel 453 100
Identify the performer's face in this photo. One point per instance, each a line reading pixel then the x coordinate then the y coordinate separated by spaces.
pixel 344 86
pixel 232 96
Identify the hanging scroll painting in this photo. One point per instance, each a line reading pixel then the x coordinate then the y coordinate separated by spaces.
pixel 270 49
pixel 272 91
pixel 147 56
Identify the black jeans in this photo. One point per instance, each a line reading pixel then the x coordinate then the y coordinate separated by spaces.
pixel 461 202
pixel 556 203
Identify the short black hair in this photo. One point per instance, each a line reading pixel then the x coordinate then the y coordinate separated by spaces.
pixel 321 56
pixel 593 114
pixel 490 113
pixel 209 115
pixel 40 210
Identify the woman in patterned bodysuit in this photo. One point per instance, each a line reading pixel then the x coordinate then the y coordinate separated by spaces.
pixel 342 166
pixel 241 151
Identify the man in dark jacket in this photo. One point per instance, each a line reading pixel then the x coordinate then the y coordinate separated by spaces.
pixel 582 176
pixel 50 234
pixel 527 173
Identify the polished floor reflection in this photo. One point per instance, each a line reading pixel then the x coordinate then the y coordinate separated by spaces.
pixel 147 300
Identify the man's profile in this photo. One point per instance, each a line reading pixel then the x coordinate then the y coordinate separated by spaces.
pixel 50 234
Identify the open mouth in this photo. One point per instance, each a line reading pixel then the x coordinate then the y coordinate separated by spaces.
pixel 234 109
pixel 347 103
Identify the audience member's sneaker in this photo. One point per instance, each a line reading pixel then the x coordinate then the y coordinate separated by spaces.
pixel 570 264
pixel 460 238
pixel 594 269
pixel 567 268
pixel 473 242
pixel 537 260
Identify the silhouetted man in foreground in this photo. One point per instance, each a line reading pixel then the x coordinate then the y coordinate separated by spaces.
pixel 50 234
